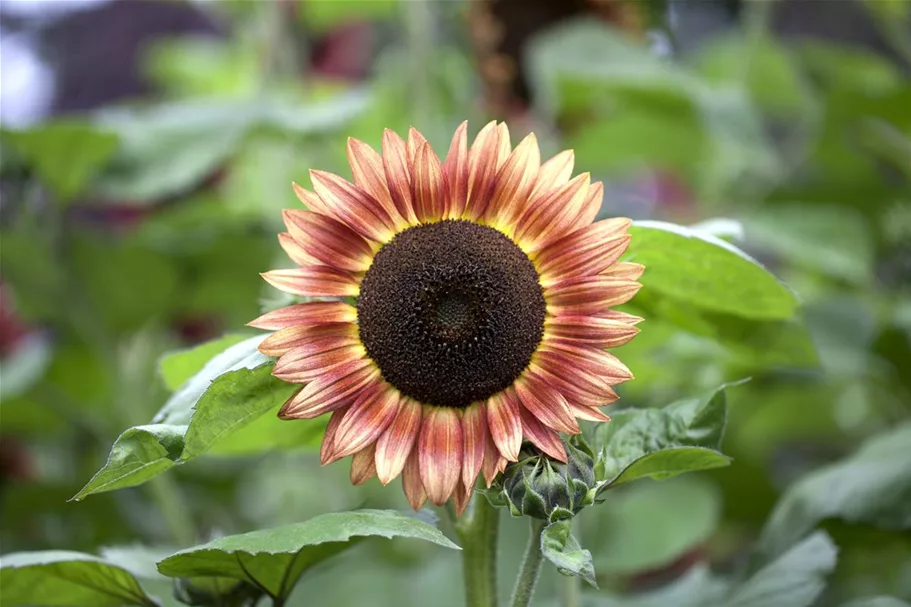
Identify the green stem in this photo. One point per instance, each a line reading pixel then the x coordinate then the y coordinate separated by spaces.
pixel 531 567
pixel 477 529
pixel 167 495
pixel 572 589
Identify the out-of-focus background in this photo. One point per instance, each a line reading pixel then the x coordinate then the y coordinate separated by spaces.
pixel 149 146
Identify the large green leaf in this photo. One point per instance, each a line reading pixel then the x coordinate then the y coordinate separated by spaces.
pixel 65 154
pixel 563 550
pixel 707 272
pixel 795 579
pixel 660 443
pixel 220 406
pixel 275 559
pixel 635 531
pixel 872 486
pixel 58 578
pixel 178 367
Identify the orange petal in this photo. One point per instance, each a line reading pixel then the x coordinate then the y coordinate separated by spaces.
pixel 427 186
pixel 590 206
pixel 576 385
pixel 592 414
pixel 504 423
pixel 367 419
pixel 625 270
pixel 546 404
pixel 588 295
pixel 440 452
pixel 542 437
pixel 295 251
pixel 411 481
pixel 554 173
pixel 394 446
pixel 590 359
pixel 328 447
pixel 398 174
pixel 299 335
pixel 353 206
pixel 414 144
pixel 514 183
pixel 591 258
pixel 370 175
pixel 331 242
pixel 587 239
pixel 311 313
pixel 551 216
pixel 455 173
pixel 505 146
pixel 494 462
pixel 482 168
pixel 329 392
pixel 592 330
pixel 314 281
pixel 621 317
pixel 362 467
pixel 474 433
pixel 297 367
pixel 461 497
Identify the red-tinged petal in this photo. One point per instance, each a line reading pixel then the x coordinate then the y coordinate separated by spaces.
pixel 592 330
pixel 394 446
pixel 591 359
pixel 329 392
pixel 482 168
pixel 398 174
pixel 362 467
pixel 494 462
pixel 590 206
pixel 591 414
pixel 579 244
pixel 353 207
pixel 461 497
pixel 514 183
pixel 505 146
pixel 554 173
pixel 546 404
pixel 589 260
pixel 576 385
pixel 327 449
pixel 427 186
pixel 587 295
pixel 367 419
pixel 550 217
pixel 284 340
pixel 314 281
pixel 341 361
pixel 440 453
pixel 411 481
pixel 296 251
pixel 625 270
pixel 621 317
pixel 504 423
pixel 370 175
pixel 542 437
pixel 310 200
pixel 455 173
pixel 414 144
pixel 474 432
pixel 331 242
pixel 311 313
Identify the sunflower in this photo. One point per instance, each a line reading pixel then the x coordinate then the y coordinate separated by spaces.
pixel 471 309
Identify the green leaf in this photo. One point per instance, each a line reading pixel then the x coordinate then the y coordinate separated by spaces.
pixel 66 154
pixel 872 486
pixel 219 406
pixel 563 550
pixel 57 578
pixel 178 367
pixel 275 559
pixel 635 531
pixel 682 437
pixel 707 272
pixel 795 579
pixel 695 588
pixel 876 601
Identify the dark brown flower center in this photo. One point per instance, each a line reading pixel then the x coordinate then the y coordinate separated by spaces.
pixel 451 312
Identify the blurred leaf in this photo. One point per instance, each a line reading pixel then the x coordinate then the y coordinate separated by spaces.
pixel 795 579
pixel 275 559
pixel 178 367
pixel 138 559
pixel 66 154
pixel 563 550
pixel 872 486
pixel 634 531
pixel 659 443
pixel 834 240
pixel 707 272
pixel 57 578
pixel 196 66
pixel 695 588
pixel 22 368
pixel 323 16
pixel 876 601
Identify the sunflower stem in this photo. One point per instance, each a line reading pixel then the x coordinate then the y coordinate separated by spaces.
pixel 531 566
pixel 477 529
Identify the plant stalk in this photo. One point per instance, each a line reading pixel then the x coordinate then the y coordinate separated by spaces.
pixel 531 567
pixel 477 529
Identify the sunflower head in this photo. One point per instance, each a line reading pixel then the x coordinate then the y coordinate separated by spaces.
pixel 482 313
